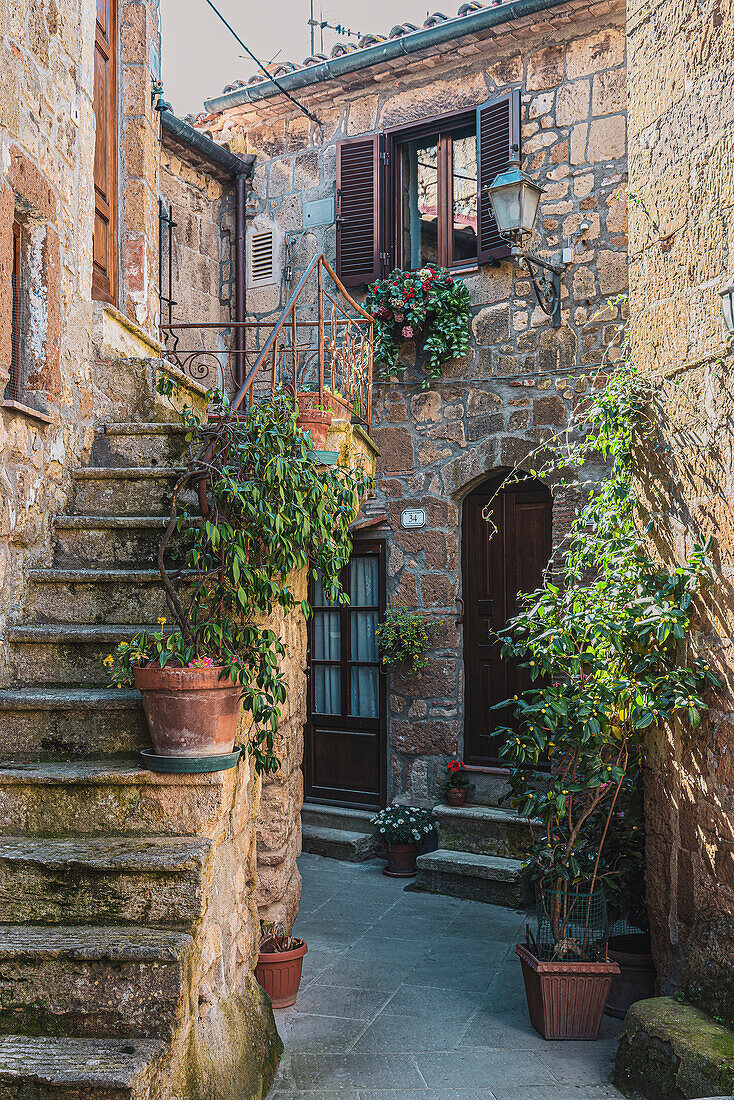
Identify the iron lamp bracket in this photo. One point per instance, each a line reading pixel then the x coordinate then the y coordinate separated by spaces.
pixel 546 280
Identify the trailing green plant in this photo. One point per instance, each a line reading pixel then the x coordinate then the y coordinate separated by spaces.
pixel 402 825
pixel 430 305
pixel 605 642
pixel 269 511
pixel 403 637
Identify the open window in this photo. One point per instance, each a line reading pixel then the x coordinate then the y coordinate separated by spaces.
pixel 418 195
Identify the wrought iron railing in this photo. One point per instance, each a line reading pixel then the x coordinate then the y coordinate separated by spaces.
pixel 321 343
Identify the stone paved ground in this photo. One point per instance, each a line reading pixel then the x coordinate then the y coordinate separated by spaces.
pixel 413 996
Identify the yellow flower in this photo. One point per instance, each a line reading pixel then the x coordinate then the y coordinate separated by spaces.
pixel 109 660
pixel 162 621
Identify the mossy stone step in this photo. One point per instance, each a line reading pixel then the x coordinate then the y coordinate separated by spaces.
pixel 670 1050
pixel 151 881
pixel 86 981
pixel 65 653
pixel 58 722
pixel 144 443
pixel 51 1068
pixel 484 829
pixel 102 797
pixel 101 595
pixel 480 877
pixel 126 490
pixel 112 541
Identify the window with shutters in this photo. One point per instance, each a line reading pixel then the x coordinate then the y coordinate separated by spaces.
pixel 418 195
pixel 104 279
pixel 262 258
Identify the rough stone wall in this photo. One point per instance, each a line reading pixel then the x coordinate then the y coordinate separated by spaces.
pixel 202 258
pixel 520 377
pixel 681 115
pixel 46 165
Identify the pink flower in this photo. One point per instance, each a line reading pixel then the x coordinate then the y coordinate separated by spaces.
pixel 200 662
pixel 399 317
pixel 407 331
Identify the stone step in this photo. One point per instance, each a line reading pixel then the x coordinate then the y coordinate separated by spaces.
pixel 484 829
pixel 126 490
pixel 488 788
pixel 472 875
pixel 43 722
pixel 95 596
pixel 46 1067
pixel 115 982
pixel 337 817
pixel 341 844
pixel 139 443
pixel 64 653
pixel 120 880
pixel 114 541
pixel 106 797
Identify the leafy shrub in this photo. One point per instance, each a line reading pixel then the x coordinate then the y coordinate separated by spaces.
pixel 403 637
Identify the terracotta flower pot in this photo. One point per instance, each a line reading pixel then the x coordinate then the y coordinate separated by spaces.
pixel 279 973
pixel 401 860
pixel 190 711
pixel 341 410
pixel 636 979
pixel 456 796
pixel 565 999
pixel 316 422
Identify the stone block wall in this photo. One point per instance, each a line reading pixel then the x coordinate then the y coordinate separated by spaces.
pixel 521 377
pixel 681 67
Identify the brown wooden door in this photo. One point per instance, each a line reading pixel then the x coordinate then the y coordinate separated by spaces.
pixel 494 571
pixel 104 274
pixel 344 755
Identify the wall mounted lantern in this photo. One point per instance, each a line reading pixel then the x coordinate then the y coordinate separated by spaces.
pixel 727 305
pixel 515 198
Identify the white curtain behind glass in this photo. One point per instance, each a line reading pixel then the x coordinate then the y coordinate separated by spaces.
pixel 363 590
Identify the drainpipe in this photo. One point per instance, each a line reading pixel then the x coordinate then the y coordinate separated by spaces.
pixel 240 285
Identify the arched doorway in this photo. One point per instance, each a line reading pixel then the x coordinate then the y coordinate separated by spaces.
pixel 495 567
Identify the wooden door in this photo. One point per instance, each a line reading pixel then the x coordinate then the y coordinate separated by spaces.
pixel 345 733
pixel 495 569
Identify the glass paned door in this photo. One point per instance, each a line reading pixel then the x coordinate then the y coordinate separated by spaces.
pixel 344 759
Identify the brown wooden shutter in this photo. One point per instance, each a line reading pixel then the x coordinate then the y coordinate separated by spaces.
pixel 498 139
pixel 104 279
pixel 358 204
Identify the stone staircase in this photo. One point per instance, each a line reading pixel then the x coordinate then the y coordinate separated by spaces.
pixel 337 832
pixel 481 847
pixel 124 972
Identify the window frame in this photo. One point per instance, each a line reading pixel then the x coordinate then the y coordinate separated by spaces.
pixel 14 385
pixel 441 126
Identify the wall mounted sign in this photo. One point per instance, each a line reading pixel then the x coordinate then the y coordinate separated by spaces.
pixel 413 517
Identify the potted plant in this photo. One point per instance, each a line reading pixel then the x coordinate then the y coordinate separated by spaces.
pixel 256 483
pixel 402 829
pixel 457 783
pixel 429 304
pixel 279 964
pixel 601 642
pixel 403 638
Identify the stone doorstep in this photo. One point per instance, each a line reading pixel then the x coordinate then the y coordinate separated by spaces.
pixel 158 880
pixel 484 829
pixel 673 1051
pixel 121 982
pixel 477 876
pixel 337 817
pixel 77 1069
pixel 340 844
pixel 97 797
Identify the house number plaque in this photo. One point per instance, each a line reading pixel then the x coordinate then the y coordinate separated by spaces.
pixel 413 517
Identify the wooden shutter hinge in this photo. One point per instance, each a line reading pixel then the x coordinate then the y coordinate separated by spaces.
pixel 385 157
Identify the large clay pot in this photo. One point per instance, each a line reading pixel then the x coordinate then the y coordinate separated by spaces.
pixel 279 973
pixel 190 711
pixel 566 999
pixel 456 796
pixel 341 410
pixel 401 860
pixel 317 423
pixel 636 979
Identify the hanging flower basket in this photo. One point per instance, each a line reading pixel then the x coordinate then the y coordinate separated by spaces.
pixel 429 305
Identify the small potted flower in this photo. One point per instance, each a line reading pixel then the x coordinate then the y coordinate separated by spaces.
pixel 457 783
pixel 403 638
pixel 279 963
pixel 402 829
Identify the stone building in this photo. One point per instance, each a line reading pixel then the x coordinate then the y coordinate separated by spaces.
pixel 681 163
pixel 379 171
pixel 128 898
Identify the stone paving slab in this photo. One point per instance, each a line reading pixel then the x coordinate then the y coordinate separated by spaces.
pixel 411 996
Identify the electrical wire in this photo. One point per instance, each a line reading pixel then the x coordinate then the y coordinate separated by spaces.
pixel 260 65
